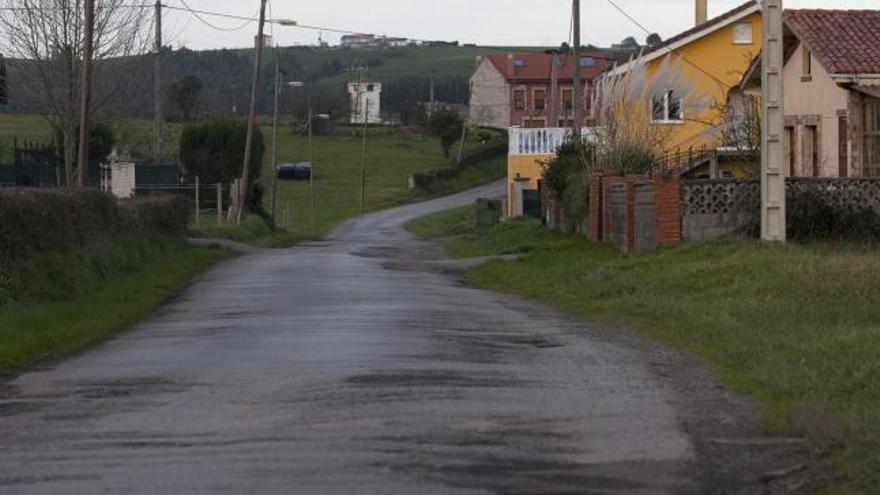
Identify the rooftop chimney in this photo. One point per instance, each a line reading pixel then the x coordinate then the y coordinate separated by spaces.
pixel 702 12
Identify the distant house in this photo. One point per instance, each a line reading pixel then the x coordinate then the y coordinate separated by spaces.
pixel 517 90
pixel 358 41
pixel 366 101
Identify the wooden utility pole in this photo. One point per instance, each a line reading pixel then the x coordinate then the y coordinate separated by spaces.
pixel 275 131
pixel 364 159
pixel 576 94
pixel 252 117
pixel 157 123
pixel 773 222
pixel 313 215
pixel 86 92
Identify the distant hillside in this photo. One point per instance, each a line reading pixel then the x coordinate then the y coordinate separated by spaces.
pixel 226 76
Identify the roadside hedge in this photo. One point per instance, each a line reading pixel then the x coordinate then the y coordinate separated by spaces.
pixel 35 221
pixel 427 180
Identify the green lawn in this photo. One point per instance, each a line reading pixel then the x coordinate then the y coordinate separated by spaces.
pixel 73 300
pixel 393 155
pixel 796 326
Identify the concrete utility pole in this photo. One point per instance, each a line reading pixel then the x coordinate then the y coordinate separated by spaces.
pixel 773 222
pixel 275 131
pixel 249 142
pixel 364 160
pixel 553 106
pixel 86 92
pixel 157 124
pixel 576 78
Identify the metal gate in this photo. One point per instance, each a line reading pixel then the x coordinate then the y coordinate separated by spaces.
pixel 532 203
pixel 645 217
pixel 617 197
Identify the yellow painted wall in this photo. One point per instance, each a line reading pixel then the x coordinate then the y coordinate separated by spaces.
pixel 527 167
pixel 719 56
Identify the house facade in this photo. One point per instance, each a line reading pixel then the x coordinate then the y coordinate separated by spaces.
pixel 712 57
pixel 530 90
pixel 366 102
pixel 832 93
pixel 531 95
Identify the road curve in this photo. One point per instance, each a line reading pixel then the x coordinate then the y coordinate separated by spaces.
pixel 349 366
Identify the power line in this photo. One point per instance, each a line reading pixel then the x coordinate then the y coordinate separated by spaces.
pixel 198 15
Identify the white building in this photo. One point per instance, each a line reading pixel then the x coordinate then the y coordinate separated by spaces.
pixel 366 101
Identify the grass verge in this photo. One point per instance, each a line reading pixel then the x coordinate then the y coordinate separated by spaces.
pixel 253 230
pixel 68 301
pixel 795 326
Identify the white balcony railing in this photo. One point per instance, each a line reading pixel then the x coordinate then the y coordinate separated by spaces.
pixel 541 141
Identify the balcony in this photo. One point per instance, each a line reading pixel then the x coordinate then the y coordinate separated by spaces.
pixel 542 141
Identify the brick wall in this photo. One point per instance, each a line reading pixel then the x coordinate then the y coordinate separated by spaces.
pixel 607 211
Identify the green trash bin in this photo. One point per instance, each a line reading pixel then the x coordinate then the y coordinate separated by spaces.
pixel 489 212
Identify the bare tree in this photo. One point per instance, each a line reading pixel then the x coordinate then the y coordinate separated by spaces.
pixel 48 35
pixel 634 108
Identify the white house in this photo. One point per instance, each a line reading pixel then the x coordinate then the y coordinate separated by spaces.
pixel 366 101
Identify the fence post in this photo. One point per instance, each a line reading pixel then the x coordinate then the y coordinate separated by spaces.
pixel 219 204
pixel 198 212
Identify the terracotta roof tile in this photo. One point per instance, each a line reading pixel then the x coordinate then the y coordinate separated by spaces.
pixel 844 41
pixel 536 66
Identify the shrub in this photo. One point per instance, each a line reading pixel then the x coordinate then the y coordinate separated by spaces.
pixel 214 151
pixel 37 221
pixel 566 176
pixel 447 125
pixel 813 214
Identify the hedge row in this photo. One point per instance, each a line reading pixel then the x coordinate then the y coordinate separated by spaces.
pixel 426 180
pixel 34 221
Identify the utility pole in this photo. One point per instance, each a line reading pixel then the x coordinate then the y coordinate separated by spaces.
pixel 251 124
pixel 275 131
pixel 86 91
pixel 773 222
pixel 157 124
pixel 576 77
pixel 312 171
pixel 464 126
pixel 553 107
pixel 364 160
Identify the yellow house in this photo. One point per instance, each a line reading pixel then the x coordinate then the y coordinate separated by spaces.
pixel 713 57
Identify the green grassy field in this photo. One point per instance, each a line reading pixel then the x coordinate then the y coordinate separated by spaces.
pixel 795 326
pixel 253 230
pixel 76 299
pixel 393 154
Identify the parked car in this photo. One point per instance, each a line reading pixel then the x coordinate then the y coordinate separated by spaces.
pixel 295 171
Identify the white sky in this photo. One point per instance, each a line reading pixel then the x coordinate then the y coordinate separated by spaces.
pixel 485 22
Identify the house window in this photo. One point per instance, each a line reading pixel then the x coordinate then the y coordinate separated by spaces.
pixel 540 97
pixel 811 150
pixel 519 99
pixel 808 64
pixel 567 99
pixel 742 33
pixel 667 108
pixel 566 123
pixel 369 88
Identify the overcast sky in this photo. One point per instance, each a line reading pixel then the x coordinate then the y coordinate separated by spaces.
pixel 485 22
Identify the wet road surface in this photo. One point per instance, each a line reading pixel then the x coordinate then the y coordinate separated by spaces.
pixel 350 366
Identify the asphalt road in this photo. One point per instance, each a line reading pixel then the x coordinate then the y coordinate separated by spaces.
pixel 357 365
